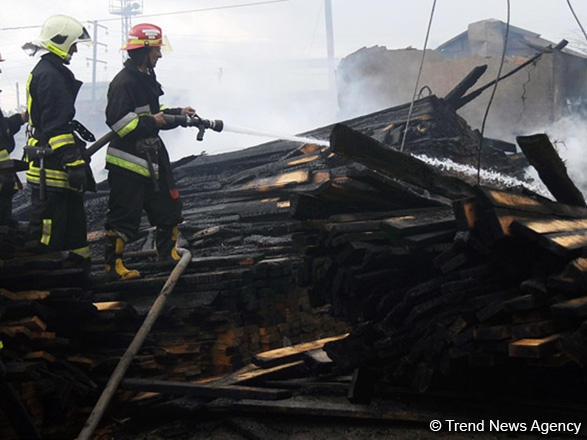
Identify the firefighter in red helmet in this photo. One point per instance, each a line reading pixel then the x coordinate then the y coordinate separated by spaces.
pixel 139 170
pixel 9 126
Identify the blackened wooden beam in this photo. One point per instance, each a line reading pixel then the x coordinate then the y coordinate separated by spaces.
pixel 452 98
pixel 552 171
pixel 373 154
pixel 205 390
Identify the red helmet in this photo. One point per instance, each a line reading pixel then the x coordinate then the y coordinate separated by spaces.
pixel 144 35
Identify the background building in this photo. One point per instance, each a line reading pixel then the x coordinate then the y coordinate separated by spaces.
pixel 554 86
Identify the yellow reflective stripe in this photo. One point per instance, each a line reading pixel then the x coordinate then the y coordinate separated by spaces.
pixel 61 140
pixel 127 128
pixel 29 101
pixel 75 163
pixel 144 42
pixel 83 252
pixel 46 231
pixel 130 162
pixel 52 48
pixel 127 165
pixel 4 155
pixel 31 142
pixel 130 121
pixel 53 178
pixel 49 173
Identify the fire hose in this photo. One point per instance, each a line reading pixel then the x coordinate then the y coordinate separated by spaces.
pixel 126 359
pixel 181 120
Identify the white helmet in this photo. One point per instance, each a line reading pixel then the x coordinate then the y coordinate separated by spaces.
pixel 59 33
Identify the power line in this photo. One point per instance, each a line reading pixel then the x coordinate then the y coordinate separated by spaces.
pixel 189 11
pixel 418 78
pixel 501 63
pixel 576 18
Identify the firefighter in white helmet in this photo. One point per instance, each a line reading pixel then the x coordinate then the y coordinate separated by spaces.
pixel 139 170
pixel 58 171
pixel 9 126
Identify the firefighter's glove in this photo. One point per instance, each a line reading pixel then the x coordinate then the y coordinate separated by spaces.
pixel 76 175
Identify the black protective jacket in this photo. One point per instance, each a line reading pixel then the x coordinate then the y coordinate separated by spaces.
pixel 52 90
pixel 9 126
pixel 133 97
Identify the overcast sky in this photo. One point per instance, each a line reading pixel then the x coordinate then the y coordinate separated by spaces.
pixel 247 61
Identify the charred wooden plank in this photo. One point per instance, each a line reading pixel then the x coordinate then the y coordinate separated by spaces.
pixel 310 406
pixel 373 154
pixel 537 329
pixel 205 390
pixel 453 97
pixel 494 211
pixel 533 205
pixel 253 373
pixel 534 348
pixel 576 307
pixel 294 352
pixel 378 215
pixel 32 323
pixel 17 413
pixel 416 223
pixel 40 279
pixel 357 226
pixel 573 278
pixel 563 237
pixel 551 169
pixel 492 333
pixel 30 295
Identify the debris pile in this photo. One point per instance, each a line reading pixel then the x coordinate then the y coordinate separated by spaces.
pixel 427 272
pixel 496 279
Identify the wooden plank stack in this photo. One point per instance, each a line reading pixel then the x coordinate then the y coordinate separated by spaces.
pixel 507 288
pixel 292 244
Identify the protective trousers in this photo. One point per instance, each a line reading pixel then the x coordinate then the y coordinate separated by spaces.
pixel 58 223
pixel 6 194
pixel 130 194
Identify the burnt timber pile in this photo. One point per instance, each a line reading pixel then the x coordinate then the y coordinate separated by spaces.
pixel 438 281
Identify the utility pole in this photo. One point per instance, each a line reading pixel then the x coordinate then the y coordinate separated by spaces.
pixel 94 59
pixel 126 9
pixel 330 45
pixel 17 96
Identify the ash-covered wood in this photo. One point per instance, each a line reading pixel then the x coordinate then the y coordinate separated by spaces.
pixel 430 274
pixel 551 169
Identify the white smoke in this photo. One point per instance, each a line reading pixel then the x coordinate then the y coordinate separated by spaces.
pixel 569 137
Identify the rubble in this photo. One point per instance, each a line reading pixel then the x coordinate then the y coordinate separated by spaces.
pixel 365 267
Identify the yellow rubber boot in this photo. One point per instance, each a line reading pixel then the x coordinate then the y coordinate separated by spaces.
pixel 113 265
pixel 166 241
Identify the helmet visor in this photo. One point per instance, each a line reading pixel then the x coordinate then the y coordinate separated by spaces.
pixel 166 45
pixel 84 37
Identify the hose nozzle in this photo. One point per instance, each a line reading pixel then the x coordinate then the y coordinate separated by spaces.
pixel 214 124
pixel 196 121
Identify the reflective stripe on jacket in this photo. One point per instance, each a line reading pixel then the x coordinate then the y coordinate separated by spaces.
pixel 129 162
pixel 52 90
pixel 53 178
pixel 133 98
